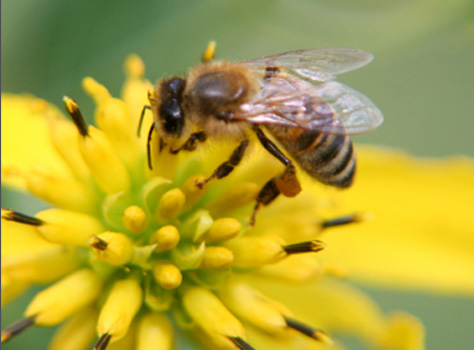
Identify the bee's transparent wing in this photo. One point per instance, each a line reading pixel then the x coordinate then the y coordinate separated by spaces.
pixel 330 107
pixel 317 65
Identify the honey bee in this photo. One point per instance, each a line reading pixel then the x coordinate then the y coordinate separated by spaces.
pixel 292 95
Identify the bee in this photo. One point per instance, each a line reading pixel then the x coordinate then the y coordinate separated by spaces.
pixel 293 96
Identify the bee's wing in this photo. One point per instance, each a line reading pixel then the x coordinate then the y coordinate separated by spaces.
pixel 330 107
pixel 314 64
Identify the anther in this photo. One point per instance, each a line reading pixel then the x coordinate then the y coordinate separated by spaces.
pixel 20 218
pixel 98 243
pixel 73 110
pixel 311 332
pixel 17 328
pixel 210 52
pixel 343 220
pixel 240 343
pixel 103 342
pixel 304 247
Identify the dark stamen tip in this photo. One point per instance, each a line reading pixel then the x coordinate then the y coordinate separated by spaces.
pixel 73 110
pixel 98 243
pixel 311 332
pixel 343 220
pixel 15 216
pixel 17 328
pixel 103 342
pixel 240 343
pixel 304 247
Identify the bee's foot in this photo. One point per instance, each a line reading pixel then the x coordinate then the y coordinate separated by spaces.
pixel 201 184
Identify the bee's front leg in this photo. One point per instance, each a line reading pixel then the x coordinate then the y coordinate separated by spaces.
pixel 226 168
pixel 191 142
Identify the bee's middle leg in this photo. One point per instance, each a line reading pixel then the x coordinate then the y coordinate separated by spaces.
pixel 286 183
pixel 226 168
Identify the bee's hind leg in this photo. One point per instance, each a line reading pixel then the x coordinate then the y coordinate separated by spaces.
pixel 226 168
pixel 286 183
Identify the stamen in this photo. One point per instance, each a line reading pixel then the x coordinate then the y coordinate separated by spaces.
pixel 304 247
pixel 210 52
pixel 15 216
pixel 73 110
pixel 98 243
pixel 17 328
pixel 314 333
pixel 103 342
pixel 240 343
pixel 113 247
pixel 343 220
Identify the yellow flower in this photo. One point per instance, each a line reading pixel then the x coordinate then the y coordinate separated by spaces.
pixel 127 251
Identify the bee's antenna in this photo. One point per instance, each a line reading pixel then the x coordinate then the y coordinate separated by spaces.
pixel 141 118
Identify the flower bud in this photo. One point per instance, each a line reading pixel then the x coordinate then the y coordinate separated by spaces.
pixel 134 219
pixel 170 205
pixel 216 258
pixel 167 275
pixel 166 238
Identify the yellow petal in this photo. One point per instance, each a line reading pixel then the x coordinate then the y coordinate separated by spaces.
pixel 422 235
pixel 26 142
pixel 28 258
pixel 342 309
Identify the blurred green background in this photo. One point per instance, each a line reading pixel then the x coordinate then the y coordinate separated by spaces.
pixel 422 78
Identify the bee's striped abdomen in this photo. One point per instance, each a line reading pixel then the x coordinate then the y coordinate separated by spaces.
pixel 328 158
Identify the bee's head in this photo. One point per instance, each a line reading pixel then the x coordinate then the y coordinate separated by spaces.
pixel 168 106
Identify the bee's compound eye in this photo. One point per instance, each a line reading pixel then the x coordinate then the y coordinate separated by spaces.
pixel 212 86
pixel 214 92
